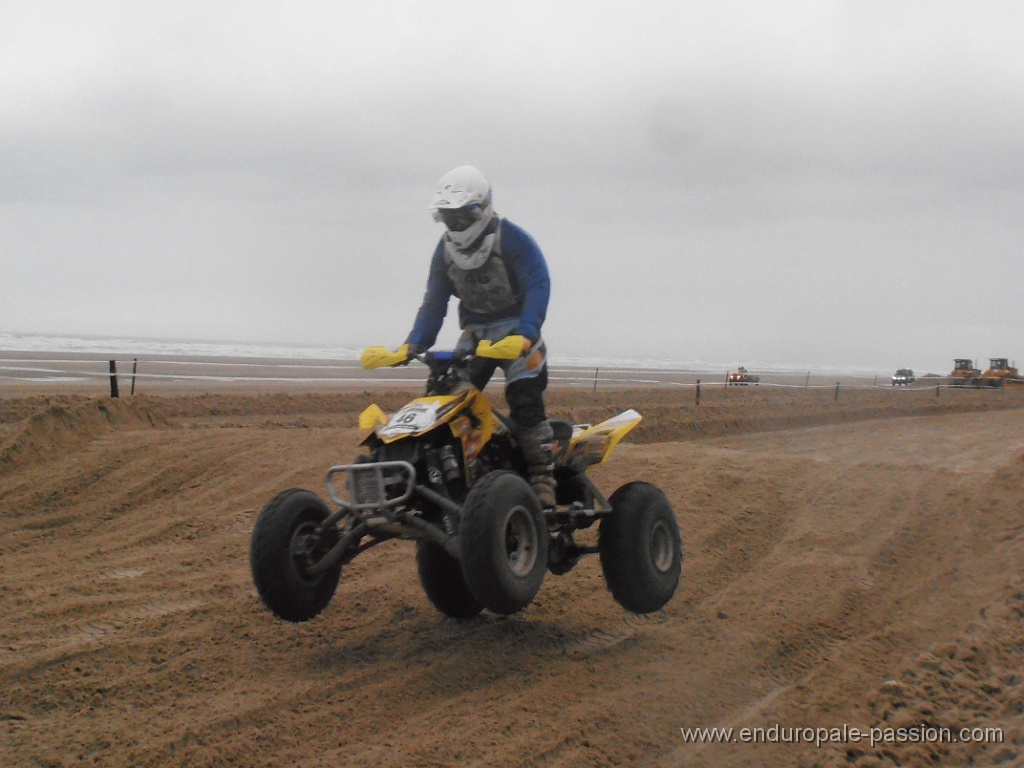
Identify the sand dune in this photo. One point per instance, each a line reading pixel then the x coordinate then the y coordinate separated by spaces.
pixel 854 562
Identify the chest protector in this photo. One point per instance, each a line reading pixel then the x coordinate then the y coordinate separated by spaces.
pixel 487 289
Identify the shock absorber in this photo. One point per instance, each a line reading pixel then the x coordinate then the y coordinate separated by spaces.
pixel 450 464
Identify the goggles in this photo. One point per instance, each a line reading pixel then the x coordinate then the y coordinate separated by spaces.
pixel 458 219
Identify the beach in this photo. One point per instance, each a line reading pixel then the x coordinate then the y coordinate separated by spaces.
pixel 184 371
pixel 853 552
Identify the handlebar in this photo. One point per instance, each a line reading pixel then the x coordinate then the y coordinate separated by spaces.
pixel 382 357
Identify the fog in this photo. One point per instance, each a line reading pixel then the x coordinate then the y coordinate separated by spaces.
pixel 798 183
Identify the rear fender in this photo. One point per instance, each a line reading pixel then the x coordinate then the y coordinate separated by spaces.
pixel 593 445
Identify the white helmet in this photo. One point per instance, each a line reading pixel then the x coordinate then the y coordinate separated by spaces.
pixel 462 202
pixel 461 187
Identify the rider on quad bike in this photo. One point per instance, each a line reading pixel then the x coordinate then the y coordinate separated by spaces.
pixel 493 502
pixel 499 275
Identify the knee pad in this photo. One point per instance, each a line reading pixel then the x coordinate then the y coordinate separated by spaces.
pixel 525 399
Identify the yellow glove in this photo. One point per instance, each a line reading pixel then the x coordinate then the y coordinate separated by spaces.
pixel 508 348
pixel 381 357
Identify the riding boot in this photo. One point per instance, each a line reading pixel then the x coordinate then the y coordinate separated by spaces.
pixel 535 443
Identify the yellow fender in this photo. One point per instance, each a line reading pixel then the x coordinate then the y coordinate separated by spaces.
pixel 371 417
pixel 426 413
pixel 594 444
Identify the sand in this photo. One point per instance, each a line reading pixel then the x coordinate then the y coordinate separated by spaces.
pixel 851 563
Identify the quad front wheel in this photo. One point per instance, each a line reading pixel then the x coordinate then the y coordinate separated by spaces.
pixel 285 543
pixel 640 548
pixel 504 542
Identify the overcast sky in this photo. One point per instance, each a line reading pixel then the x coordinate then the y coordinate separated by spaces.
pixel 821 183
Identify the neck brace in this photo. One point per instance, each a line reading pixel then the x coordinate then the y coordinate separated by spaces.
pixel 468 249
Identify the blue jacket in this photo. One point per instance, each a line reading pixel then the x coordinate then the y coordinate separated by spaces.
pixel 513 282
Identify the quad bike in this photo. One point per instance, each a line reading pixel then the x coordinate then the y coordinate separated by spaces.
pixel 446 472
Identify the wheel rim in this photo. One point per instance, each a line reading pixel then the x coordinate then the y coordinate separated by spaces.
pixel 662 551
pixel 520 541
pixel 305 550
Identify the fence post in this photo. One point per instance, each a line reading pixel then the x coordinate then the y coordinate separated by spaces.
pixel 837 391
pixel 698 392
pixel 113 379
pixel 595 379
pixel 135 367
pixel 936 390
pixel 807 381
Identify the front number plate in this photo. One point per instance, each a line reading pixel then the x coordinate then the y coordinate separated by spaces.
pixel 412 418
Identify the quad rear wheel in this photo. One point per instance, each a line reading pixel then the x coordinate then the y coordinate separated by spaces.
pixel 442 580
pixel 640 548
pixel 284 544
pixel 504 541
